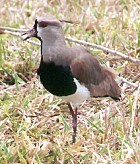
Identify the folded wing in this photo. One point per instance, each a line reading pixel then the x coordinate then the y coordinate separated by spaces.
pixel 98 79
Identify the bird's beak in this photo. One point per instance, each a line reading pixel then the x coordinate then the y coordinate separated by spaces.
pixel 30 33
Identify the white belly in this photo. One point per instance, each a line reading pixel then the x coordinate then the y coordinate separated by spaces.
pixel 81 94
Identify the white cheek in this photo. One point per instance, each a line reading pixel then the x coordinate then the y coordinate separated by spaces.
pixel 39 32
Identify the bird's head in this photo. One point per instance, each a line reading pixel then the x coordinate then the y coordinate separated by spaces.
pixel 43 27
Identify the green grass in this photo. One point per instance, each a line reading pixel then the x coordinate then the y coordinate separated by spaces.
pixel 34 127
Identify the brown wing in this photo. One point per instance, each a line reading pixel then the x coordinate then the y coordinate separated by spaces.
pixel 99 80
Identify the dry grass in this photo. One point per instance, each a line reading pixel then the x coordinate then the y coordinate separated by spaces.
pixel 35 127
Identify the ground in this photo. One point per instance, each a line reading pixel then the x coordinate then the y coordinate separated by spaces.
pixel 35 127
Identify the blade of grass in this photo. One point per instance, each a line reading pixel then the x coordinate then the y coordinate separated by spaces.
pixel 66 126
pixel 95 126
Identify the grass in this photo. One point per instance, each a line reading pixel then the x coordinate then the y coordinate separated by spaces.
pixel 35 127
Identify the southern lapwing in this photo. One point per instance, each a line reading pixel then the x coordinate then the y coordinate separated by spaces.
pixel 71 73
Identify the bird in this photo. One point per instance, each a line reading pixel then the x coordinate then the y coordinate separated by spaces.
pixel 70 72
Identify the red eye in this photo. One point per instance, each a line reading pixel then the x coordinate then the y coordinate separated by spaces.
pixel 42 24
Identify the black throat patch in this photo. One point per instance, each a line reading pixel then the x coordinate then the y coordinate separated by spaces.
pixel 58 80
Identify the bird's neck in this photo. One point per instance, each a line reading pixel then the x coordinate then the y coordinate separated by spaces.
pixel 53 37
pixel 50 47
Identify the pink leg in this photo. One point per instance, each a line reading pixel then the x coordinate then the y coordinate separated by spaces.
pixel 74 121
